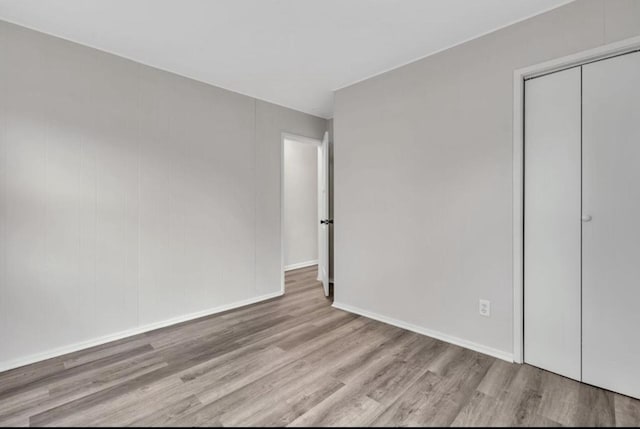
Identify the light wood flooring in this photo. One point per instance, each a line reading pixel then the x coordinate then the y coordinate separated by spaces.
pixel 296 361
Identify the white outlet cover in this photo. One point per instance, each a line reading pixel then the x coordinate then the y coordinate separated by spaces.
pixel 485 308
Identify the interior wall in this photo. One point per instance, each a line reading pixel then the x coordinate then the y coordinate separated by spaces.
pixel 423 175
pixel 300 204
pixel 130 197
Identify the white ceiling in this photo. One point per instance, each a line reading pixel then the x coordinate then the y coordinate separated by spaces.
pixel 289 52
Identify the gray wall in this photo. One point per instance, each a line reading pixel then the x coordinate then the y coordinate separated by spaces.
pixel 128 196
pixel 300 203
pixel 423 175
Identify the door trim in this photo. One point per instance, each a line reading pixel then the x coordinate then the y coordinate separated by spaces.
pixel 519 76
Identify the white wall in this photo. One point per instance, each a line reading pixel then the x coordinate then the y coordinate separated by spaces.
pixel 423 176
pixel 129 196
pixel 300 203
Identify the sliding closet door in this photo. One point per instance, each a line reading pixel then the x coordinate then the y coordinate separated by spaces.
pixel 552 222
pixel 611 240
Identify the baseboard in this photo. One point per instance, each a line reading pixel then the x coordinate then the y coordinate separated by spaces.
pixel 300 265
pixel 420 330
pixel 7 365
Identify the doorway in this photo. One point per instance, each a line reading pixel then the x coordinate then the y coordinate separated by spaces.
pixel 305 206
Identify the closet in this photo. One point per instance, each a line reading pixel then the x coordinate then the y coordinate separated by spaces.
pixel 582 223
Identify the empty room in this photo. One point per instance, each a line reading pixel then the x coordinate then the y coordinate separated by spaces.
pixel 319 213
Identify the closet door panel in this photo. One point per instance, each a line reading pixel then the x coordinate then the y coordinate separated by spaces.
pixel 611 240
pixel 552 222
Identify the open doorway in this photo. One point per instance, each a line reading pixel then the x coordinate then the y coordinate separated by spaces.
pixel 305 208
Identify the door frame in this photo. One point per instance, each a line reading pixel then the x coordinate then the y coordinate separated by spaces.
pixel 301 139
pixel 519 76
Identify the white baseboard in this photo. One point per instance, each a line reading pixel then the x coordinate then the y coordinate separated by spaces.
pixel 434 334
pixel 300 265
pixel 59 351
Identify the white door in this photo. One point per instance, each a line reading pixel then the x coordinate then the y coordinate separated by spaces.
pixel 323 212
pixel 611 239
pixel 552 223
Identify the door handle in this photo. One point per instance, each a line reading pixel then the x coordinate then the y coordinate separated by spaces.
pixel 326 221
pixel 586 218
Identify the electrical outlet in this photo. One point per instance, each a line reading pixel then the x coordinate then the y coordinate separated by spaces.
pixel 485 308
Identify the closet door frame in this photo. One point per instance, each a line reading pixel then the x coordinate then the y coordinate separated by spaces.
pixel 519 76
